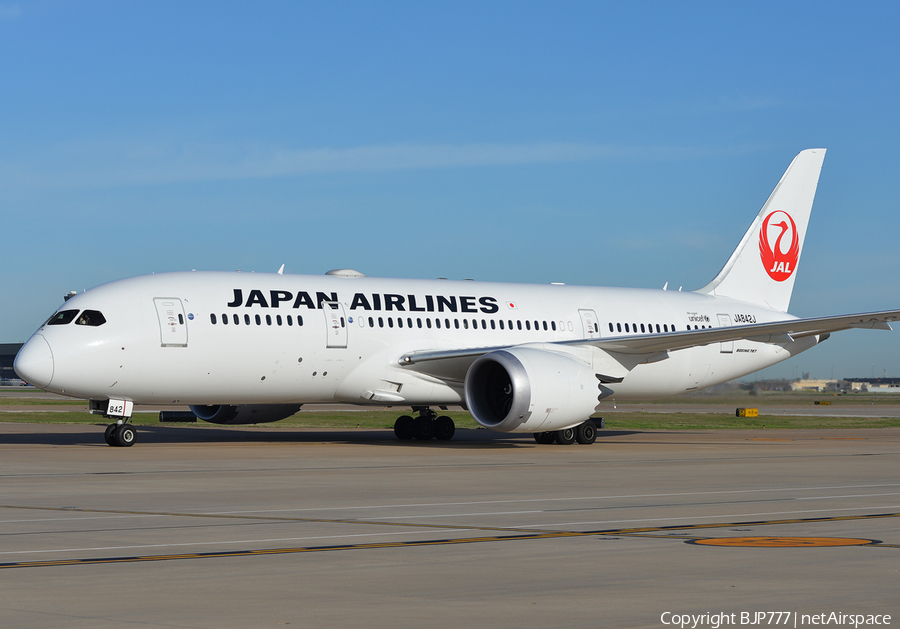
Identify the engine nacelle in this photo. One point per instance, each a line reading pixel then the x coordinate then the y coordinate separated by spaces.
pixel 530 390
pixel 245 413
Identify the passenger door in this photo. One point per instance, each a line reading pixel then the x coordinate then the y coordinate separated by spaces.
pixel 172 324
pixel 726 347
pixel 590 324
pixel 335 323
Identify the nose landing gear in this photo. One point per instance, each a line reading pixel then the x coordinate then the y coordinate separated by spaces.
pixel 120 435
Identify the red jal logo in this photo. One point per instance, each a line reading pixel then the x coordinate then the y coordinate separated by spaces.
pixel 779 264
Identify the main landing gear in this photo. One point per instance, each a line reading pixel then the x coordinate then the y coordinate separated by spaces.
pixel 424 427
pixel 120 434
pixel 584 433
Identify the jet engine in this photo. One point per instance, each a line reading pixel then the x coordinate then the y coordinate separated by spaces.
pixel 525 389
pixel 245 414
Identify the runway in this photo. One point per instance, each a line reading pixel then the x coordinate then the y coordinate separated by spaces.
pixel 259 527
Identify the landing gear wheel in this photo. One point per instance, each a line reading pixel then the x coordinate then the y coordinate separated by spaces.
pixel 404 428
pixel 124 435
pixel 108 435
pixel 444 428
pixel 424 428
pixel 545 438
pixel 565 437
pixel 586 433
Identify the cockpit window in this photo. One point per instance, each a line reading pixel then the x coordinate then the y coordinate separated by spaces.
pixel 92 318
pixel 62 317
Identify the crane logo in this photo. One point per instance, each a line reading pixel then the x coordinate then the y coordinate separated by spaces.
pixel 779 259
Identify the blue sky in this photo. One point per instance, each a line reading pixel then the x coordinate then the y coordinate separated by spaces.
pixel 621 144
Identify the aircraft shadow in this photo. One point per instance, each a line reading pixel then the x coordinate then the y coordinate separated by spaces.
pixel 53 434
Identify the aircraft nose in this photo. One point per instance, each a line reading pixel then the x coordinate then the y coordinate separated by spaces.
pixel 34 362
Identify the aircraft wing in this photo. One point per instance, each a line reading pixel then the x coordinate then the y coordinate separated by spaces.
pixel 452 363
pixel 778 332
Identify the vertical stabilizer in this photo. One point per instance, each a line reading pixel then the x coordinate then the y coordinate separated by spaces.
pixel 763 267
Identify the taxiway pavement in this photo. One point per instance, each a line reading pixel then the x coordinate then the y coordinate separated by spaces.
pixel 215 527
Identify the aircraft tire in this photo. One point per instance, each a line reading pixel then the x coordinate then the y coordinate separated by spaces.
pixel 565 437
pixel 586 433
pixel 444 428
pixel 423 429
pixel 545 438
pixel 108 435
pixel 404 428
pixel 125 435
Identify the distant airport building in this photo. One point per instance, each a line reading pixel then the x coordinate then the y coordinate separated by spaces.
pixel 850 385
pixel 814 385
pixel 8 353
pixel 873 385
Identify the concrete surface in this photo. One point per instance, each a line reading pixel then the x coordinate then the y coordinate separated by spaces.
pixel 271 527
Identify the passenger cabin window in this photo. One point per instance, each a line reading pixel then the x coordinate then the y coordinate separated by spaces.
pixel 93 318
pixel 63 317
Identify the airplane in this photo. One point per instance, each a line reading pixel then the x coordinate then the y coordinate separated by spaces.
pixel 242 348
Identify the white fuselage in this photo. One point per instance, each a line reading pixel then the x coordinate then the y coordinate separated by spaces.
pixel 253 338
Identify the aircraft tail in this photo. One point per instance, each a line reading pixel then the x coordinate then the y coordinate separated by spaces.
pixel 762 269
